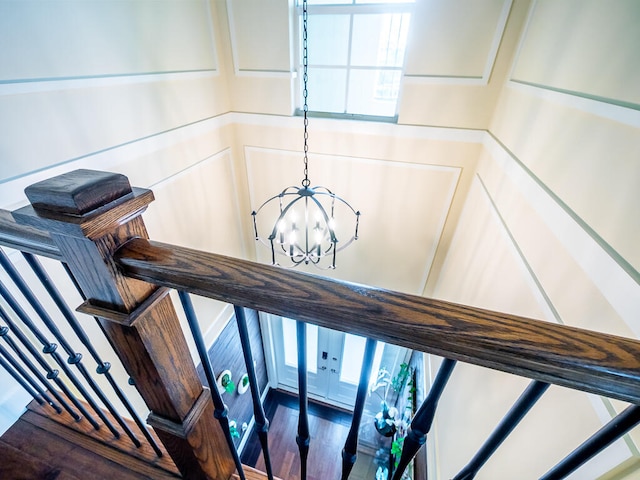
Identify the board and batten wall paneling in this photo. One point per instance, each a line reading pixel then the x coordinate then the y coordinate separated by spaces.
pixel 391 196
pixel 456 64
pixel 79 78
pixel 584 47
pixel 580 139
pixel 455 39
pixel 261 40
pixel 503 258
pixel 72 39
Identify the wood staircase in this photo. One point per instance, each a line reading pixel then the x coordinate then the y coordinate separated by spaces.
pixel 43 445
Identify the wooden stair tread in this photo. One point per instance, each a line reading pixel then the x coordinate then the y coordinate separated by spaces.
pixel 18 465
pixel 66 424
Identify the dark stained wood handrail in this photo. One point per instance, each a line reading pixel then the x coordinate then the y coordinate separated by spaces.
pixel 25 238
pixel 571 357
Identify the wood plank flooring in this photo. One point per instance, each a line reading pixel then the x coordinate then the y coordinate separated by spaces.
pixel 328 427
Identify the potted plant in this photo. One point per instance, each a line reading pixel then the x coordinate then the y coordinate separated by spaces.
pixel 243 384
pixel 384 421
pixel 225 383
pixel 233 429
pixel 387 419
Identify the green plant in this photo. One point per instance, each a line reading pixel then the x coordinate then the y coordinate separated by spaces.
pixel 400 380
pixel 228 384
pixel 245 381
pixel 233 429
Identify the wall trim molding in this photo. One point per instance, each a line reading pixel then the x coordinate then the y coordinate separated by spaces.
pixel 474 80
pixel 627 114
pixel 244 72
pixel 615 278
pixel 13 188
pixel 362 127
pixel 40 85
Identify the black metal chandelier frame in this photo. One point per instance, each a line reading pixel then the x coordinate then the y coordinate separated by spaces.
pixel 317 237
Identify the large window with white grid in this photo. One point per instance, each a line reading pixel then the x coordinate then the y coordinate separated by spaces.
pixel 356 51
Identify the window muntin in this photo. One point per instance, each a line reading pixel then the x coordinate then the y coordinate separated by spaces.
pixel 356 55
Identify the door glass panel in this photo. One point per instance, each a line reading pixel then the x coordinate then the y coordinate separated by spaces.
pixel 352 356
pixel 291 345
pixel 352 353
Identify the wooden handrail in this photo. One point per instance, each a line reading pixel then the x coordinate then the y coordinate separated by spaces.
pixel 26 238
pixel 568 356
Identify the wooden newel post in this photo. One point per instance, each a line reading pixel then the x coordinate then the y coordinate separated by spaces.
pixel 90 215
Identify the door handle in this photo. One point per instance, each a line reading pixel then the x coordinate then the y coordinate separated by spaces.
pixel 333 370
pixel 323 368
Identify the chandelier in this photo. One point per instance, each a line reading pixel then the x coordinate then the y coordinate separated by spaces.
pixel 306 228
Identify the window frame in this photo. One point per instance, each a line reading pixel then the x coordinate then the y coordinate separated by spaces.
pixel 350 9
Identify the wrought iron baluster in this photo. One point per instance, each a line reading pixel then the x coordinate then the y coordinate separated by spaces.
pixel 75 358
pixel 525 402
pixel 262 424
pixel 612 431
pixel 221 411
pixel 303 438
pixel 421 423
pixel 28 378
pixel 104 367
pixel 50 348
pixel 51 373
pixel 349 453
pixel 21 377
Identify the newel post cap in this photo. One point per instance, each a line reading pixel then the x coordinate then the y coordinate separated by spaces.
pixel 82 202
pixel 78 192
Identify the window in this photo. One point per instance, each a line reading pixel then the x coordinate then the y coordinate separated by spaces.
pixel 356 55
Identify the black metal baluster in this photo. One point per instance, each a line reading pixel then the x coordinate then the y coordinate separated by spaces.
pixel 51 373
pixel 421 423
pixel 303 438
pixel 612 431
pixel 28 378
pixel 20 377
pixel 220 409
pixel 49 348
pixel 529 397
pixel 75 358
pixel 349 453
pixel 262 424
pixel 104 367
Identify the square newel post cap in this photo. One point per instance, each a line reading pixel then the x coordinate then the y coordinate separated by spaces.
pixel 85 203
pixel 78 192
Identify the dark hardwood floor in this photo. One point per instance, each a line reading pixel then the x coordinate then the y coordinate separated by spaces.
pixel 328 427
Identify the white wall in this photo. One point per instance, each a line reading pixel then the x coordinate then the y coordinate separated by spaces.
pixel 554 206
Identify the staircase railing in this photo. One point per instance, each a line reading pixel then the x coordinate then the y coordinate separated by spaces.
pixel 94 225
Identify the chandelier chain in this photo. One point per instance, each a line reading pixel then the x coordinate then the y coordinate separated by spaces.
pixel 305 92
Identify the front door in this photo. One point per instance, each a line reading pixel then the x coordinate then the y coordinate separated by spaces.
pixel 334 361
